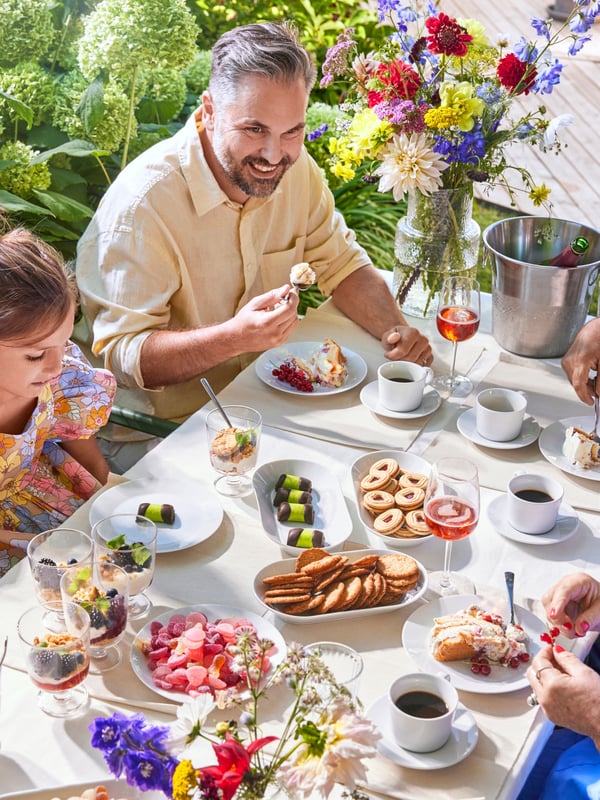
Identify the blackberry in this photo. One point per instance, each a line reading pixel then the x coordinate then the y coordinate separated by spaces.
pixel 96 617
pixel 48 562
pixel 43 660
pixel 66 665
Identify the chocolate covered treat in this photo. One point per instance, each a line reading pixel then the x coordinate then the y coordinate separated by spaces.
pixel 296 512
pixel 293 482
pixel 157 512
pixel 292 496
pixel 299 537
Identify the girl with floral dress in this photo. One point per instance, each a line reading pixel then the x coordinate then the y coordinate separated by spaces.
pixel 52 401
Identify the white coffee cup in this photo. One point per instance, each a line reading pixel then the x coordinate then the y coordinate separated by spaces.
pixel 401 384
pixel 428 703
pixel 533 502
pixel 499 414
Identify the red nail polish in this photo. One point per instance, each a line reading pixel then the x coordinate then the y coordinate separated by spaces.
pixel 567 626
pixel 559 649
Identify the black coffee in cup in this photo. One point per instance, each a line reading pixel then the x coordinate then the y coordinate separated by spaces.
pixel 401 380
pixel 534 496
pixel 424 705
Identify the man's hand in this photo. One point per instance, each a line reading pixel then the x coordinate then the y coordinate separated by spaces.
pixel 583 357
pixel 403 343
pixel 267 320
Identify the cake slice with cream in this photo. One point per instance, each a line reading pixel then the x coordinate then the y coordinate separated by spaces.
pixel 581 448
pixel 475 632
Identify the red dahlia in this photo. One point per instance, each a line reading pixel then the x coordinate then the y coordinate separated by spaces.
pixel 401 82
pixel 515 75
pixel 447 37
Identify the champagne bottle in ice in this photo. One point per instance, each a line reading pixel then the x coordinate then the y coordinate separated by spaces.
pixel 570 256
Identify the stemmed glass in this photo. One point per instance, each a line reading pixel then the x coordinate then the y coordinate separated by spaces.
pixel 233 448
pixel 57 655
pixel 129 541
pixel 102 589
pixel 50 555
pixel 459 311
pixel 451 508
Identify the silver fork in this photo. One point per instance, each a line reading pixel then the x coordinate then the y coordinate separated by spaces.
pixel 594 432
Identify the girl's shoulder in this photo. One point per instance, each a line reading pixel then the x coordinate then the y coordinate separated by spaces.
pixel 79 375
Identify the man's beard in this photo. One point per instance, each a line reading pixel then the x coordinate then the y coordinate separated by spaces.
pixel 250 185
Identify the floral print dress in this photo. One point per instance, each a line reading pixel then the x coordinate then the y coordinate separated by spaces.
pixel 41 485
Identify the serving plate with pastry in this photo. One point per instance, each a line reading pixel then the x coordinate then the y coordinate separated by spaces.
pixel 311 368
pixel 469 638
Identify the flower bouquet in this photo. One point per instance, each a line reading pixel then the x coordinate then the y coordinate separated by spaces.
pixel 324 739
pixel 431 109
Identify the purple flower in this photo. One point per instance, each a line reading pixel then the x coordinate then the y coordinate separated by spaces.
pixel 582 22
pixel 148 770
pixel 577 44
pixel 526 51
pixel 542 27
pixel 548 77
pixel 463 148
pixel 489 93
pixel 336 58
pixel 317 133
pixel 106 731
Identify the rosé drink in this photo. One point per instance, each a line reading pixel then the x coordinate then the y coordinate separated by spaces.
pixel 450 517
pixel 457 324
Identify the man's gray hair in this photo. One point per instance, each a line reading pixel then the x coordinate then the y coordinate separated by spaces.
pixel 265 48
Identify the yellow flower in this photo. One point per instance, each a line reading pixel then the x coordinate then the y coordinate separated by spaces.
pixel 185 780
pixel 367 133
pixel 441 117
pixel 476 30
pixel 459 97
pixel 539 194
pixel 343 171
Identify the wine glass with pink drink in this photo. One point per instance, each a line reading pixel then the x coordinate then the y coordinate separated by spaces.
pixel 451 509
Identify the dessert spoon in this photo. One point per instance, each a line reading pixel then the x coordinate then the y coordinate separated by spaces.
pixel 213 397
pixel 509 577
pixel 594 433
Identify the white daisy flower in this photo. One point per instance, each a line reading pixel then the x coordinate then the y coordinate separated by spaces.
pixel 409 165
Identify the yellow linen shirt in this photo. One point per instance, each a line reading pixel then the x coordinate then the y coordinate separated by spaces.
pixel 167 249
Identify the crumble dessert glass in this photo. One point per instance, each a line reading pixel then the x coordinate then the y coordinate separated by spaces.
pixel 233 449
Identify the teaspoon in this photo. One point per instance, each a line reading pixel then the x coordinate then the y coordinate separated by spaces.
pixel 213 397
pixel 509 577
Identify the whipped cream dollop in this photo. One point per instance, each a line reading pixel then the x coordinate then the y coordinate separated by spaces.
pixel 302 276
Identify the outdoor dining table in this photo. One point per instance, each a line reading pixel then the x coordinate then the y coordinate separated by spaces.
pixel 38 754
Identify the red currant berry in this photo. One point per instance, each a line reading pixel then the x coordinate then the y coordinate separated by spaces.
pixel 524 657
pixel 475 669
pixel 485 669
pixel 545 637
pixel 515 662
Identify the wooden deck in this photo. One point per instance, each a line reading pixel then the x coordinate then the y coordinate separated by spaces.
pixel 573 174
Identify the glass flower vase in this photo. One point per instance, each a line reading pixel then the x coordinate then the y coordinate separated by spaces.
pixel 436 239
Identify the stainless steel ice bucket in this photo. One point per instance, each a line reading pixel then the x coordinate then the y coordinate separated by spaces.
pixel 537 310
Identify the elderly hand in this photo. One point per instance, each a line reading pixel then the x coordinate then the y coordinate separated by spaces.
pixel 566 690
pixel 574 604
pixel 582 358
pixel 403 343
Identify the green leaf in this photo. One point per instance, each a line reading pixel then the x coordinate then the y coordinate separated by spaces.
pixel 140 553
pixel 91 106
pixel 76 147
pixel 115 543
pixel 14 203
pixel 21 110
pixel 64 207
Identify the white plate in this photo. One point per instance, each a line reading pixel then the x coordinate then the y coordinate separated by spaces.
pixel 198 512
pixel 552 440
pixel 416 638
pixel 566 525
pixel 289 565
pixel 139 661
pixel 265 363
pixel 530 431
pixel 360 467
pixel 115 788
pixel 331 514
pixel 369 397
pixel 461 743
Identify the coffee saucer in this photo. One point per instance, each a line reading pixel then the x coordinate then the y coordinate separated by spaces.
pixel 530 431
pixel 566 524
pixel 369 397
pixel 461 742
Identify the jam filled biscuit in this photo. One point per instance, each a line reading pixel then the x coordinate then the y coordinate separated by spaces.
pixel 378 501
pixel 374 481
pixel 391 486
pixel 387 466
pixel 389 521
pixel 413 480
pixel 415 521
pixel 409 498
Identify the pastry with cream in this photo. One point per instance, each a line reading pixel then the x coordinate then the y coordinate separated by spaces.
pixel 581 448
pixel 302 276
pixel 475 632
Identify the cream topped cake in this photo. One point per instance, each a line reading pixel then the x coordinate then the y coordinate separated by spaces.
pixel 581 448
pixel 475 632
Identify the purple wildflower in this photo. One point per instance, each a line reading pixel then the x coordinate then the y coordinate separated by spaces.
pixel 548 77
pixel 489 93
pixel 542 27
pixel 577 43
pixel 317 133
pixel 149 771
pixel 526 51
pixel 581 22
pixel 336 58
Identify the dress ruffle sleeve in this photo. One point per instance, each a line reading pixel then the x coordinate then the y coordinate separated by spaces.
pixel 82 397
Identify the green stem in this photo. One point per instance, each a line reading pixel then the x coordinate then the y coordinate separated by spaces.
pixel 129 118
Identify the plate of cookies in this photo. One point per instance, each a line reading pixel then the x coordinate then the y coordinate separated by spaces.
pixel 389 486
pixel 318 586
pixel 301 505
